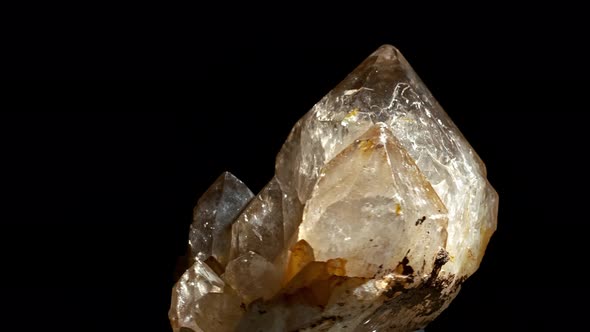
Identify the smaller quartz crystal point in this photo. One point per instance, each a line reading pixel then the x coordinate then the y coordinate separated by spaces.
pixel 378 211
pixel 195 283
pixel 253 277
pixel 260 227
pixel 210 232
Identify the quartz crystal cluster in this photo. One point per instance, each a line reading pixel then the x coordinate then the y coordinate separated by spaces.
pixel 378 211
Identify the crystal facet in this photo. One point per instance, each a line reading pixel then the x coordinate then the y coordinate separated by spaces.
pixel 213 217
pixel 378 211
pixel 199 280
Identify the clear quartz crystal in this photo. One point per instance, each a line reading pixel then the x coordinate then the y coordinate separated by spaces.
pixel 210 232
pixel 378 211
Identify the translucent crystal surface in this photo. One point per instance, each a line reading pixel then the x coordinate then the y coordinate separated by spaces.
pixel 199 280
pixel 378 211
pixel 210 232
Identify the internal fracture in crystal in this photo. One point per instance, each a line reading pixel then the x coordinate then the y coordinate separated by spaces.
pixel 378 211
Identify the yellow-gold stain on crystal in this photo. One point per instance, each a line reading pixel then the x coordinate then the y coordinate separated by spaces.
pixel 301 255
pixel 398 209
pixel 319 282
pixel 310 273
pixel 336 266
pixel 315 271
pixel 350 116
pixel 366 145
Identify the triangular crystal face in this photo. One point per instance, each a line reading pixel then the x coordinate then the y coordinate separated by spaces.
pixel 370 206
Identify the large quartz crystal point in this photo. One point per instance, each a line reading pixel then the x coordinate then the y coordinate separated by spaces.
pixel 216 210
pixel 385 90
pixel 378 211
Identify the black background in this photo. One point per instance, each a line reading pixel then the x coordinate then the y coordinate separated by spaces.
pixel 101 177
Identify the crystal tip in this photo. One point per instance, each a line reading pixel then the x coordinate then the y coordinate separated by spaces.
pixel 386 52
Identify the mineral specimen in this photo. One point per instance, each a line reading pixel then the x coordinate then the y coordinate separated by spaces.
pixel 378 211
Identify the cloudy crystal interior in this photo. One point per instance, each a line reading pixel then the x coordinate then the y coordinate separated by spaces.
pixel 378 211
